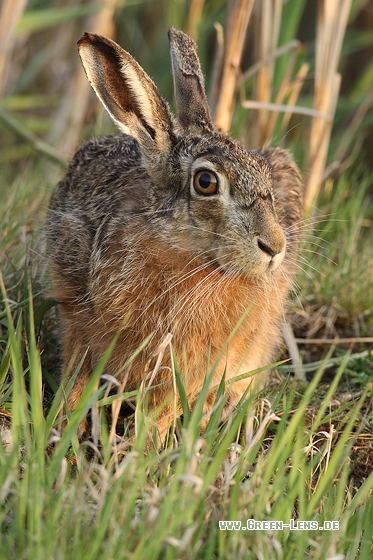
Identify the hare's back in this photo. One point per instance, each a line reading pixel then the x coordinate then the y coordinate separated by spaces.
pixel 105 181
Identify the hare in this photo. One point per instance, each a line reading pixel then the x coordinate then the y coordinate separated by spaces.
pixel 170 227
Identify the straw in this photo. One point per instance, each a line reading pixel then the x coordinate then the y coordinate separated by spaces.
pixel 238 16
pixel 332 18
pixel 10 13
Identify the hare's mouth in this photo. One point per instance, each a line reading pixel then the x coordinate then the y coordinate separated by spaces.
pixel 251 264
pixel 276 261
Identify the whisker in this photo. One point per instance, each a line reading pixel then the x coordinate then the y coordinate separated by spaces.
pixel 319 254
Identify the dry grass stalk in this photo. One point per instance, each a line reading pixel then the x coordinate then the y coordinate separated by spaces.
pixel 352 340
pixel 266 30
pixel 288 88
pixel 293 350
pixel 267 20
pixel 287 94
pixel 275 108
pixel 194 18
pixel 293 47
pixel 10 13
pixel 265 417
pixel 217 68
pixel 294 91
pixel 238 16
pixel 331 25
pixel 74 108
pixel 283 91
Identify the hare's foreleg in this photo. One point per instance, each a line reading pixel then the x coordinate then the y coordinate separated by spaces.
pixel 77 362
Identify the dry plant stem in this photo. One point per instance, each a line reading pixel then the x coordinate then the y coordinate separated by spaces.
pixel 252 438
pixel 11 11
pixel 332 169
pixel 217 68
pixel 295 88
pixel 353 340
pixel 239 12
pixel 159 353
pixel 331 25
pixel 74 109
pixel 194 18
pixel 283 91
pixel 64 47
pixel 266 36
pixel 289 47
pixel 252 104
pixel 293 350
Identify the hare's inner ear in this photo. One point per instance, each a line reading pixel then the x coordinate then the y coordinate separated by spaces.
pixel 191 102
pixel 126 91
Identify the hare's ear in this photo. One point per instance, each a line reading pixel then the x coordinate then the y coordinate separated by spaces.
pixel 126 91
pixel 191 102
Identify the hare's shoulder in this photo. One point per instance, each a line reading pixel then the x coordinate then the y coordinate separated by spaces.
pixel 104 187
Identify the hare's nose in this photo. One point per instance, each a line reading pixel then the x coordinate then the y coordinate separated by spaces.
pixel 267 249
pixel 272 242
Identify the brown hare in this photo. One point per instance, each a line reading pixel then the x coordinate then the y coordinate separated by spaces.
pixel 170 227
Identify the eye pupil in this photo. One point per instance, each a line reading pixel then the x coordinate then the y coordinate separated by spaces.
pixel 205 183
pixel 205 180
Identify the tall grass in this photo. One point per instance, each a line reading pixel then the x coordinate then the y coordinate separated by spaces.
pixel 134 501
pixel 337 261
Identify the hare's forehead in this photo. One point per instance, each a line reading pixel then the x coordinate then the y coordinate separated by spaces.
pixel 244 171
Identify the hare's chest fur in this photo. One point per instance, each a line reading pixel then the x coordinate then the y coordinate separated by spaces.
pixel 165 291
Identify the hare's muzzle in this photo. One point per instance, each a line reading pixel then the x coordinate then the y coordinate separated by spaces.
pixel 271 242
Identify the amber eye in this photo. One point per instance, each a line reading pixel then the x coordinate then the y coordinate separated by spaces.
pixel 205 182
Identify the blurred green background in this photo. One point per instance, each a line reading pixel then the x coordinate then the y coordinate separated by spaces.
pixel 44 88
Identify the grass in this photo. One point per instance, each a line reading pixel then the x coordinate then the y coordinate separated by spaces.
pixel 337 262
pixel 301 452
pixel 130 501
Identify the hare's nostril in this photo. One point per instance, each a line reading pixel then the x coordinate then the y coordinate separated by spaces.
pixel 266 249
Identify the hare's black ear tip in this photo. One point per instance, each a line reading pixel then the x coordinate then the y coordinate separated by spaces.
pixel 89 39
pixel 84 39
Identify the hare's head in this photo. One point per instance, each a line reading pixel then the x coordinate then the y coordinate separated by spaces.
pixel 210 196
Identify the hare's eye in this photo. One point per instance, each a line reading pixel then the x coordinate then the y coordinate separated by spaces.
pixel 205 182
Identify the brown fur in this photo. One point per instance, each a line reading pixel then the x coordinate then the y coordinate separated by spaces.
pixel 135 250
